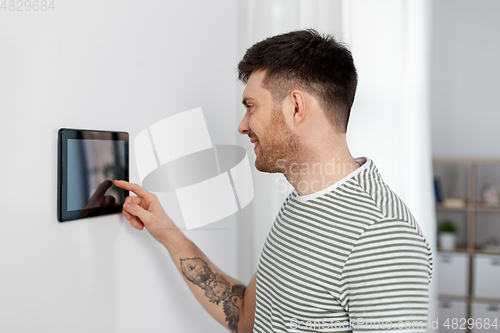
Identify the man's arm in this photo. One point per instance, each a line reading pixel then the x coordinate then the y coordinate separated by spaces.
pixel 247 320
pixel 229 302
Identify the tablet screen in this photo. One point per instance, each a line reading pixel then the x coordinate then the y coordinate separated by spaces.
pixel 89 161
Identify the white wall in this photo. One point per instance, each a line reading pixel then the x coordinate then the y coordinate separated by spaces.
pixel 465 78
pixel 114 65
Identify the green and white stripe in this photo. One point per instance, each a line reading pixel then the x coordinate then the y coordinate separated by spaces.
pixel 350 253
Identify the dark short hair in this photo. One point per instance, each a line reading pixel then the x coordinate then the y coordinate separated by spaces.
pixel 306 60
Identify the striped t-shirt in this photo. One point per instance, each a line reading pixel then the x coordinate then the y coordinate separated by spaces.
pixel 350 258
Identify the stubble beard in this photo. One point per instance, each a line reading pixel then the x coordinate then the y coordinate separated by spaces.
pixel 279 151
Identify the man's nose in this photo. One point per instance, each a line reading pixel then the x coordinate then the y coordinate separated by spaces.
pixel 244 127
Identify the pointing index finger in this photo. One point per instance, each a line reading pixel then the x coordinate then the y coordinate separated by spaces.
pixel 132 187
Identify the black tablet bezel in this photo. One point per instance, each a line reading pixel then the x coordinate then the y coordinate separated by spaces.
pixel 64 134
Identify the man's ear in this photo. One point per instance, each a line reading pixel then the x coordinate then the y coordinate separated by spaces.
pixel 298 100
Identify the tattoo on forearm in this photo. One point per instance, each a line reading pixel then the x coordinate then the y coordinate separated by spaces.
pixel 216 287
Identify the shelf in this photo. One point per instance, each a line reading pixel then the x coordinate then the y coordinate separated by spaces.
pixel 484 300
pixel 468 298
pixel 465 179
pixel 472 207
pixel 454 297
pixel 481 251
pixel 468 251
pixel 441 207
pixel 457 250
pixel 486 208
pixel 465 160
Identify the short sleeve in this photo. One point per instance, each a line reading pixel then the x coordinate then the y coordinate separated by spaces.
pixel 385 280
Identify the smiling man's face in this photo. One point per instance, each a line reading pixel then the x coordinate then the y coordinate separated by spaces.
pixel 276 146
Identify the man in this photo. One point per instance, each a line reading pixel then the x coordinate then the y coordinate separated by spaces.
pixel 344 253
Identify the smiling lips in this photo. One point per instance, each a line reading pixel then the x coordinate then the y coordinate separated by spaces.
pixel 255 143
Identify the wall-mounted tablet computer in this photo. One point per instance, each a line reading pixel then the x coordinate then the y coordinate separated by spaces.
pixel 88 162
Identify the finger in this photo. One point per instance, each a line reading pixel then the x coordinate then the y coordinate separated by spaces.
pixel 135 200
pixel 127 215
pixel 136 223
pixel 137 211
pixel 134 188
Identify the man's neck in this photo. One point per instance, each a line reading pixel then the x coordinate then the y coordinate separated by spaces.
pixel 313 176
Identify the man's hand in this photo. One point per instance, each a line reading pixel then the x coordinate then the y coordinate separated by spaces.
pixel 145 210
pixel 229 302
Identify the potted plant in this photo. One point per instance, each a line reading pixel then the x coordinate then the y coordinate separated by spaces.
pixel 447 235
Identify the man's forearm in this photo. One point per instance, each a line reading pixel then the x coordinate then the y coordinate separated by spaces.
pixel 220 295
